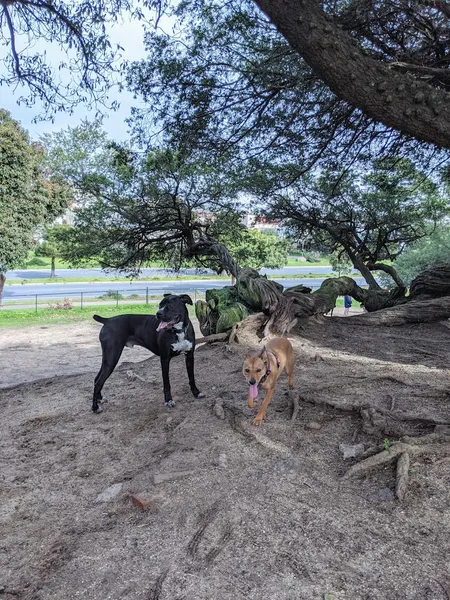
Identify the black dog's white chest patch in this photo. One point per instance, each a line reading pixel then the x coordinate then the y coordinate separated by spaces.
pixel 182 345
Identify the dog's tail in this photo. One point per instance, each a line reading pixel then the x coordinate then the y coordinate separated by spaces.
pixel 100 319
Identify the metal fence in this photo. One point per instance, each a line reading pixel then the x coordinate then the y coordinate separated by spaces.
pixel 86 299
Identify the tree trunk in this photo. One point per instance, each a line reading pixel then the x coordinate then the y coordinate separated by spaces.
pixel 53 268
pixel 390 271
pixel 432 283
pixel 2 285
pixel 209 247
pixel 365 272
pixel 396 99
pixel 416 311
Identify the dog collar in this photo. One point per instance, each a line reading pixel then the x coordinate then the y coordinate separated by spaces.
pixel 268 371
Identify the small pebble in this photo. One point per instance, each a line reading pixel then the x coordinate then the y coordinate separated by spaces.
pixel 313 425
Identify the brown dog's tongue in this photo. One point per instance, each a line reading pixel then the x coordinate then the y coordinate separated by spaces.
pixel 253 391
pixel 162 325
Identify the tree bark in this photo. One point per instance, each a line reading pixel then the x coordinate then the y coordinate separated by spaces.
pixel 416 311
pixel 409 105
pixel 2 285
pixel 432 283
pixel 53 268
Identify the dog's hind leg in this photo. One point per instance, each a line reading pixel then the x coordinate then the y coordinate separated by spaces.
pixel 290 370
pixel 110 358
pixel 190 371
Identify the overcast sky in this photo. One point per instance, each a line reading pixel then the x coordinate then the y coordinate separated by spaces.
pixel 130 37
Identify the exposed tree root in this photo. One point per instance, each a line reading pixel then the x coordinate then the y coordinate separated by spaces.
pixel 402 451
pixel 379 421
pixel 238 421
pixel 402 475
pixel 235 418
pixel 211 339
pixel 293 398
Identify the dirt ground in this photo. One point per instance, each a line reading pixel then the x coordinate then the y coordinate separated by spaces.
pixel 235 511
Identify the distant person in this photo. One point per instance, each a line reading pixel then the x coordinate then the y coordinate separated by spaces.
pixel 347 305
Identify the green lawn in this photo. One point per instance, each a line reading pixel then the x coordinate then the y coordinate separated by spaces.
pixel 48 316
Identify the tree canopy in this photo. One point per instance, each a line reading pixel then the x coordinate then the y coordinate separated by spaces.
pixel 229 81
pixel 141 207
pixel 367 69
pixel 83 63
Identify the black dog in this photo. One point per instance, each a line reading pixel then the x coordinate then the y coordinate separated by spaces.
pixel 167 334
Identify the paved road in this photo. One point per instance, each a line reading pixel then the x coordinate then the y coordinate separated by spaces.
pixel 51 291
pixel 99 274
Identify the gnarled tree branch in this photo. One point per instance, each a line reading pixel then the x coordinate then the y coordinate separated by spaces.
pixel 410 106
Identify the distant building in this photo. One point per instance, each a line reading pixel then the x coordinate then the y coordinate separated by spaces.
pixel 261 223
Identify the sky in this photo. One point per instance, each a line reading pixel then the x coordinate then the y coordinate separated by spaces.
pixel 130 36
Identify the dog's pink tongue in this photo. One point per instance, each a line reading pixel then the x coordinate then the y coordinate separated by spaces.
pixel 253 391
pixel 162 325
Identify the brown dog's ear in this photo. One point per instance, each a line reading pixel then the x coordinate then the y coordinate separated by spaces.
pixel 262 352
pixel 186 299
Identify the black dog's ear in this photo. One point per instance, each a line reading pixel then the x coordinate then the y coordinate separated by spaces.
pixel 186 299
pixel 167 294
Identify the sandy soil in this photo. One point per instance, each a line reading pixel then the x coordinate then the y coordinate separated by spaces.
pixel 244 512
pixel 31 353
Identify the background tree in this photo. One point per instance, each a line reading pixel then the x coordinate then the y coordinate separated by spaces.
pixel 259 249
pixel 340 262
pixel 370 217
pixel 27 198
pixel 431 251
pixel 52 245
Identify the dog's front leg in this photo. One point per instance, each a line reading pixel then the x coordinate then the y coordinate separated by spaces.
pixel 165 362
pixel 190 371
pixel 262 411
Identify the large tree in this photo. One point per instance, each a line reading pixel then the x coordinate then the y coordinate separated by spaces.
pixel 137 208
pixel 28 198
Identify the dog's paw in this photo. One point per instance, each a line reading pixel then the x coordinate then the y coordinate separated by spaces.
pixel 200 395
pixel 170 404
pixel 257 421
pixel 98 410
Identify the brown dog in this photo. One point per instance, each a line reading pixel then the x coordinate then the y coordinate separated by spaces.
pixel 263 367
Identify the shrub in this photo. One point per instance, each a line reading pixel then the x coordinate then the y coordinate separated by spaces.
pixel 112 295
pixel 36 262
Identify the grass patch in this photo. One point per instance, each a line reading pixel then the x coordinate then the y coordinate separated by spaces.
pixel 49 316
